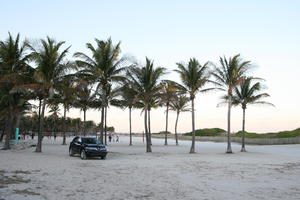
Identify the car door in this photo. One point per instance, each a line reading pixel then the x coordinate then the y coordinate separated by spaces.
pixel 77 145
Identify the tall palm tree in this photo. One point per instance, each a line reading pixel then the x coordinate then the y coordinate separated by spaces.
pixel 103 68
pixel 51 66
pixel 168 93
pixel 248 93
pixel 14 72
pixel 66 91
pixel 228 76
pixel 84 100
pixel 128 100
pixel 145 81
pixel 54 115
pixel 194 77
pixel 153 103
pixel 179 104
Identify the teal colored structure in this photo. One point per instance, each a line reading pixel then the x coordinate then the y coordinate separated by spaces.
pixel 17 134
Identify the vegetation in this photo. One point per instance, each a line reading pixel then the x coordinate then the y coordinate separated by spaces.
pixel 193 77
pixel 145 81
pixel 179 104
pixel 228 76
pixel 281 134
pixel 208 132
pixel 29 124
pixel 42 74
pixel 248 94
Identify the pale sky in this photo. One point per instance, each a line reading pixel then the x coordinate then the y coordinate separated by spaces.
pixel 264 32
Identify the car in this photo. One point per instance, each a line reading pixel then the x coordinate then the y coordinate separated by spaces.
pixel 87 147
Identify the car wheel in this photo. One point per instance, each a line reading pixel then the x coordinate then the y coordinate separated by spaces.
pixel 83 155
pixel 71 152
pixel 103 157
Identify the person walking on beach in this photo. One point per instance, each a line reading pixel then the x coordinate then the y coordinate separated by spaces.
pixel 117 140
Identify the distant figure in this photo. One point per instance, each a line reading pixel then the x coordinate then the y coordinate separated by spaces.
pixel 32 135
pixel 109 138
pixel 24 135
pixel 54 136
pixel 117 140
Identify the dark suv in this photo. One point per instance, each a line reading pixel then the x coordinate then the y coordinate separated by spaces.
pixel 87 147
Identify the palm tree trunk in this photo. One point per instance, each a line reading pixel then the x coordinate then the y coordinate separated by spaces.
pixel 130 134
pixel 176 136
pixel 41 126
pixel 101 125
pixel 84 121
pixel 166 133
pixel 229 150
pixel 65 127
pixel 2 134
pixel 148 145
pixel 105 126
pixel 243 136
pixel 149 127
pixel 8 131
pixel 192 150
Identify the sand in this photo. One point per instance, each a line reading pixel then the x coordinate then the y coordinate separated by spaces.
pixel 264 172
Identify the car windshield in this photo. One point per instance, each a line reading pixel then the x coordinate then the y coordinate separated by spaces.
pixel 90 141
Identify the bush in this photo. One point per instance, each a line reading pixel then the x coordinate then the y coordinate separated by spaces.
pixel 207 132
pixel 162 132
pixel 281 134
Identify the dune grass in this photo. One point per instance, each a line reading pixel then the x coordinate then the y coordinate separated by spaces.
pixel 207 132
pixel 281 134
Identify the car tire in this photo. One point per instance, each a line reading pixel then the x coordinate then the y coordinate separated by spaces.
pixel 103 157
pixel 82 154
pixel 71 153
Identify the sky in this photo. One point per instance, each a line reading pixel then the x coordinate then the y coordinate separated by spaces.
pixel 170 31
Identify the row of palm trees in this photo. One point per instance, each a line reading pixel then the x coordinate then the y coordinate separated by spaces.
pixel 105 78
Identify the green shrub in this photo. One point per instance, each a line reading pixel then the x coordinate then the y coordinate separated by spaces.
pixel 207 132
pixel 281 134
pixel 162 132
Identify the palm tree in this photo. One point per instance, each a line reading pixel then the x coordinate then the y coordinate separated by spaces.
pixel 229 75
pixel 128 100
pixel 84 100
pixel 153 103
pixel 194 77
pixel 14 72
pixel 66 91
pixel 146 82
pixel 50 68
pixel 248 94
pixel 54 111
pixel 179 104
pixel 103 68
pixel 167 94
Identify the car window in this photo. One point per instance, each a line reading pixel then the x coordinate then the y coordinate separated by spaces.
pixel 75 139
pixel 79 140
pixel 90 141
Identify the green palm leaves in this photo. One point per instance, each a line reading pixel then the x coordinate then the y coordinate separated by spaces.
pixel 51 68
pixel 14 73
pixel 248 93
pixel 193 77
pixel 102 70
pixel 228 75
pixel 145 81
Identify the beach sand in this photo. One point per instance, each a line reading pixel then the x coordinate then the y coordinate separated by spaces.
pixel 170 172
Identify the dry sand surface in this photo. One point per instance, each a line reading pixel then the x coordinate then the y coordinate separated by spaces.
pixel 264 172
